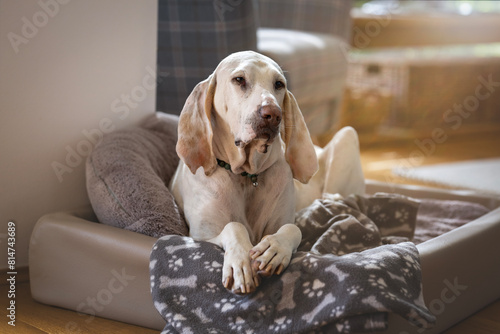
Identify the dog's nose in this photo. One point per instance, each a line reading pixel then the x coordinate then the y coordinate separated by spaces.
pixel 271 114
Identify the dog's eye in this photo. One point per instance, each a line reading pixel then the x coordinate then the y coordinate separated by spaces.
pixel 240 81
pixel 279 85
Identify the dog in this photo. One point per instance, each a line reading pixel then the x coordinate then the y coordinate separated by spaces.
pixel 246 160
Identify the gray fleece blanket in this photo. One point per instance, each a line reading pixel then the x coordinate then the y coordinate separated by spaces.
pixel 344 278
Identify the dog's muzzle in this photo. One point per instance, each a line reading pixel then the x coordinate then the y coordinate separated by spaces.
pixel 267 123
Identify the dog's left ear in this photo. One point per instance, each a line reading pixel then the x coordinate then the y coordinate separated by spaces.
pixel 194 145
pixel 300 153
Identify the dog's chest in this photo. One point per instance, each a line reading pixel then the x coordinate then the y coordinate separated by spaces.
pixel 265 207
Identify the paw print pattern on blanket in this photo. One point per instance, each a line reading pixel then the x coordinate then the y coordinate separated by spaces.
pixel 411 264
pixel 343 327
pixel 174 263
pixel 210 287
pixel 226 304
pixel 405 292
pixel 402 215
pixel 239 325
pixel 337 293
pixel 355 289
pixel 393 220
pixel 264 311
pixel 371 264
pixel 338 311
pixel 196 255
pixel 388 295
pixel 214 331
pixel 378 282
pixel 376 208
pixel 280 325
pixel 382 217
pixel 350 230
pixel 313 289
pixel 179 300
pixel 213 266
pixel 310 263
pixel 177 321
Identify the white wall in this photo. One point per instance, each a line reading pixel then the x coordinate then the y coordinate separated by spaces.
pixel 69 71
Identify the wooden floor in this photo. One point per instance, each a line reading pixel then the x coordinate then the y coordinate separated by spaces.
pixel 32 317
pixel 379 160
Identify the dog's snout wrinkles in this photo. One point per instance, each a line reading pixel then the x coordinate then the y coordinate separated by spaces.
pixel 271 115
pixel 268 121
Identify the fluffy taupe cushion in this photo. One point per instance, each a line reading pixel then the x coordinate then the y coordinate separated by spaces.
pixel 128 174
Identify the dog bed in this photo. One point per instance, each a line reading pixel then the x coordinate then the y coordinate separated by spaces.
pixel 103 270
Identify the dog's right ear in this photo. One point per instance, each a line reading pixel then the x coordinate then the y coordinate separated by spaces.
pixel 194 145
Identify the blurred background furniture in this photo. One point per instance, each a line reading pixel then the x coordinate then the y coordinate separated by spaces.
pixel 393 23
pixel 418 67
pixel 308 39
pixel 408 93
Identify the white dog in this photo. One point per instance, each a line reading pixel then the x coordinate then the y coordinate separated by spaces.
pixel 242 141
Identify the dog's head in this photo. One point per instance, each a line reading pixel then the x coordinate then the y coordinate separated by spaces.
pixel 247 96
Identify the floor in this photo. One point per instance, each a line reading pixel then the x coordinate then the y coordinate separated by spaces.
pixel 32 317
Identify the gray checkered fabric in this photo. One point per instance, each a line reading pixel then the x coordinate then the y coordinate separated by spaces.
pixel 193 37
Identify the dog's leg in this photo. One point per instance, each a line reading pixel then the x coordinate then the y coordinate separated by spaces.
pixel 339 170
pixel 344 174
pixel 237 273
pixel 273 253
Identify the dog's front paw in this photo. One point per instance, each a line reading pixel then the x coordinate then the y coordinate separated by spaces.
pixel 237 273
pixel 271 255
